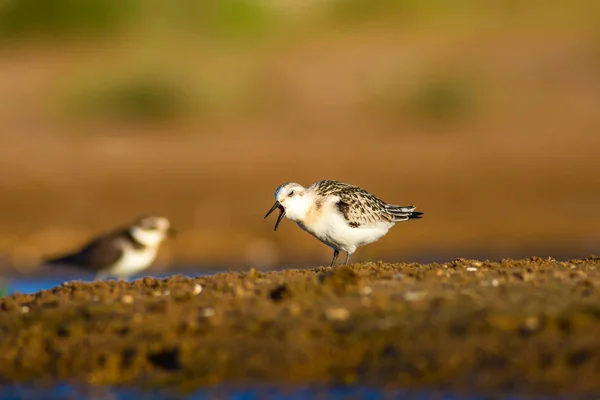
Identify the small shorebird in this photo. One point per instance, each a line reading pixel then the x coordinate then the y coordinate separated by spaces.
pixel 121 253
pixel 342 216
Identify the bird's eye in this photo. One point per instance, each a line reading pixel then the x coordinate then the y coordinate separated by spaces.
pixel 291 194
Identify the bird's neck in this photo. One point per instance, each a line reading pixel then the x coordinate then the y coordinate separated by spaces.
pixel 301 208
pixel 148 239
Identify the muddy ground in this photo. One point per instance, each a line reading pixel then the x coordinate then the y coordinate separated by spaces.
pixel 527 326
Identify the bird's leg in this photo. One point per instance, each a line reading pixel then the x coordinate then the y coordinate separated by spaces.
pixel 347 258
pixel 335 256
pixel 100 276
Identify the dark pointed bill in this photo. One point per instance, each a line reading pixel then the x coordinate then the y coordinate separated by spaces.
pixel 281 213
pixel 171 232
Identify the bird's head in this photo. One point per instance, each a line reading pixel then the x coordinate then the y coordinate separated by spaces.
pixel 151 230
pixel 292 200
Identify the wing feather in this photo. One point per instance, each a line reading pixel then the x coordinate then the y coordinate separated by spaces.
pixel 96 255
pixel 361 208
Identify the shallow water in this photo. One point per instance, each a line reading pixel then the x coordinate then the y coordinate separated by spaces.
pixel 73 392
pixel 35 283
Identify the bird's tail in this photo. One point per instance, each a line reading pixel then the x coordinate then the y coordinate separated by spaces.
pixel 403 213
pixel 61 260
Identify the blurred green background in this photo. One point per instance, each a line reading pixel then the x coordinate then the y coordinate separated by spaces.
pixel 486 115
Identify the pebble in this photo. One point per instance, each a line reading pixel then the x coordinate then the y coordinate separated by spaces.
pixel 207 312
pixel 367 290
pixel 337 314
pixel 532 323
pixel 471 269
pixel 197 289
pixel 294 309
pixel 24 309
pixel 414 296
pixel 127 299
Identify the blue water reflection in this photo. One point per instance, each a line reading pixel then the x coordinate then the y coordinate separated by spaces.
pixel 73 392
pixel 33 284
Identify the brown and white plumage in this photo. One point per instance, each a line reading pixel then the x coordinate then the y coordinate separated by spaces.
pixel 360 207
pixel 121 253
pixel 342 216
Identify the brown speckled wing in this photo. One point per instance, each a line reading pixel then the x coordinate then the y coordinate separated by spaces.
pixel 359 207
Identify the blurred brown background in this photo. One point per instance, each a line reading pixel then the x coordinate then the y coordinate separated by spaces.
pixel 485 114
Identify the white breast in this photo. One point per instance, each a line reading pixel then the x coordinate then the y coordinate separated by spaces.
pixel 134 261
pixel 332 229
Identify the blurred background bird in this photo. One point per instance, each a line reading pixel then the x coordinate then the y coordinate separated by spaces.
pixel 121 253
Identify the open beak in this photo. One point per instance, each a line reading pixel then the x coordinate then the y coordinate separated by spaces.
pixel 281 213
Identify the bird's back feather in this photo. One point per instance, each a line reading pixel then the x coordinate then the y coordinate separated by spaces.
pixel 98 254
pixel 361 208
pixel 403 213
